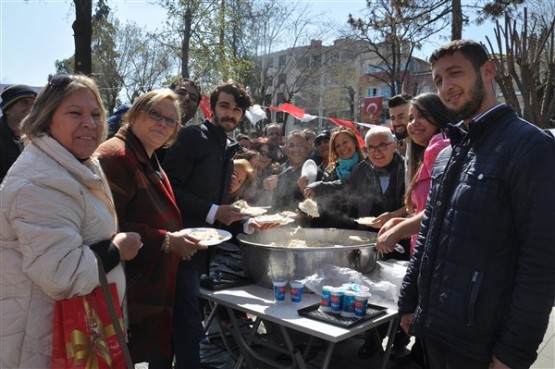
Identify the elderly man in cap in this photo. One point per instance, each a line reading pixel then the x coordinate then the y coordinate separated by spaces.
pixel 17 101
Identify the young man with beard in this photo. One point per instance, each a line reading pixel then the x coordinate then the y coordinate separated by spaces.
pixel 399 116
pixel 479 288
pixel 199 166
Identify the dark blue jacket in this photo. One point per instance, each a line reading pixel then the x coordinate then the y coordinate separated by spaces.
pixel 482 279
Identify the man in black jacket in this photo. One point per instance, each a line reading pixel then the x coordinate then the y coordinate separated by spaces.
pixel 480 286
pixel 199 166
pixel 17 101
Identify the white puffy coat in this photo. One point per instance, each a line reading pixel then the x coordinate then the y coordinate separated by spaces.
pixel 48 218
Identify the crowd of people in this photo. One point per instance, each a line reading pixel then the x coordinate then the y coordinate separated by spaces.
pixel 461 182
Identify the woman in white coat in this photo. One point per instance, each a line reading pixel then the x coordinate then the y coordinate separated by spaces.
pixel 56 207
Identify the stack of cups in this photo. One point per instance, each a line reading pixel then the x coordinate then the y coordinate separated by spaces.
pixel 297 288
pixel 279 289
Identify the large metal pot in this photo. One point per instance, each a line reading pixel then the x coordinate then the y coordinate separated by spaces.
pixel 265 255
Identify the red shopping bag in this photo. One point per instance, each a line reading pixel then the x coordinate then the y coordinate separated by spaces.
pixel 84 336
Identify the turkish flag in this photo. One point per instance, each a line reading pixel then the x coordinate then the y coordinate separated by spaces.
pixel 205 106
pixel 289 108
pixel 372 110
pixel 349 124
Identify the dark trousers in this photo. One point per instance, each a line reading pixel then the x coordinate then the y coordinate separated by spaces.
pixel 187 322
pixel 440 356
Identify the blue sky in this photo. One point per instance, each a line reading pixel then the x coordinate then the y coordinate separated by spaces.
pixel 36 33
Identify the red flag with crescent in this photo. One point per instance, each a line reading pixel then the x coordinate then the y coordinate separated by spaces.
pixel 349 124
pixel 372 110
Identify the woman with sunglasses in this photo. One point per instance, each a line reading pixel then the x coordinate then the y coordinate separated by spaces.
pixel 266 167
pixel 145 204
pixel 56 209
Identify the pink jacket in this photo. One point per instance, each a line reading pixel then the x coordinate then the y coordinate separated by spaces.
pixel 422 186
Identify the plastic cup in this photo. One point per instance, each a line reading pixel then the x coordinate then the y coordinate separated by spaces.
pixel 280 286
pixel 336 300
pixel 297 289
pixel 348 309
pixel 325 302
pixel 361 301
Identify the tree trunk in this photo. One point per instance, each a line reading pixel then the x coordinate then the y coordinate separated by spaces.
pixel 457 23
pixel 185 43
pixel 82 28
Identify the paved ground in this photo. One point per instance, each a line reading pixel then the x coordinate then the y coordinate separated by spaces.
pixel 345 355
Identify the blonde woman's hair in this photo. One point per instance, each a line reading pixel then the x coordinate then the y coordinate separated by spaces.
pixel 147 101
pixel 247 167
pixel 60 86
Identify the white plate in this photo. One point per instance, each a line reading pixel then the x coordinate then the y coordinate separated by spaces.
pixel 254 211
pixel 367 221
pixel 273 218
pixel 310 170
pixel 209 236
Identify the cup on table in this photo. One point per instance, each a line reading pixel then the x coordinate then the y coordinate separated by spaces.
pixel 348 309
pixel 325 302
pixel 297 289
pixel 336 299
pixel 280 286
pixel 361 301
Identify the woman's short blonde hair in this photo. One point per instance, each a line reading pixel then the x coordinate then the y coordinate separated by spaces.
pixel 247 167
pixel 146 101
pixel 38 122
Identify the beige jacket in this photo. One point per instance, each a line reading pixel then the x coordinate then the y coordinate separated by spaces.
pixel 49 216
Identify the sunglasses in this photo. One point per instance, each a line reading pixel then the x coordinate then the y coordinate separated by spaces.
pixel 59 80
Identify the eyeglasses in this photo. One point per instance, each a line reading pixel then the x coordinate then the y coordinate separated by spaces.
pixel 381 147
pixel 59 80
pixel 157 116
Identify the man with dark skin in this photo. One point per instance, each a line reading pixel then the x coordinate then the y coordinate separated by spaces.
pixel 189 96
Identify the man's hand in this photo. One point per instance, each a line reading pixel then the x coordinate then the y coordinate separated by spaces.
pixel 271 182
pixel 264 226
pixel 308 193
pixel 387 237
pixel 128 244
pixel 496 364
pixel 405 322
pixel 302 182
pixel 228 214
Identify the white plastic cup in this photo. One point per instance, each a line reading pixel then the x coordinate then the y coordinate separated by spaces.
pixel 348 309
pixel 297 289
pixel 361 301
pixel 280 286
pixel 336 300
pixel 325 302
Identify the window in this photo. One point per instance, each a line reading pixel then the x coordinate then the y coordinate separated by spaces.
pixel 282 60
pixel 282 79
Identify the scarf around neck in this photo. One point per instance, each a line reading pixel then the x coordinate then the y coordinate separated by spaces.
pixel 344 166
